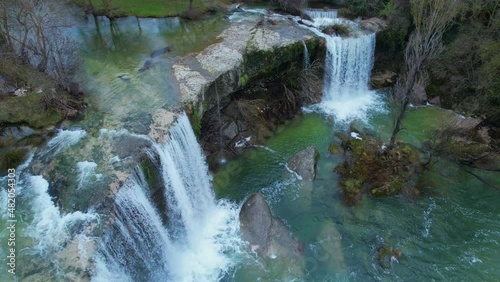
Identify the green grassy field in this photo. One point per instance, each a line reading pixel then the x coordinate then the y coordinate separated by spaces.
pixel 146 8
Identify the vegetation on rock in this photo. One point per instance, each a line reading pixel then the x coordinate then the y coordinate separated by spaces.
pixel 12 159
pixel 337 29
pixel 367 166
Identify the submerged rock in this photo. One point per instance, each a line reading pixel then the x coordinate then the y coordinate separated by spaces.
pixel 161 51
pixel 386 255
pixel 268 236
pixel 304 163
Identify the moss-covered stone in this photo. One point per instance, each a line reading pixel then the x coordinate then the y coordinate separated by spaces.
pixel 384 172
pixel 12 158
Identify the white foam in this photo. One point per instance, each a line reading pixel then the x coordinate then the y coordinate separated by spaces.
pixel 355 135
pixel 86 173
pixel 50 228
pixel 64 139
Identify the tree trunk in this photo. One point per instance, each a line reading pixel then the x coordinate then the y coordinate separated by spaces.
pixel 190 5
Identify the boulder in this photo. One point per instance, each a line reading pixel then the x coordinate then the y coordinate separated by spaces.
pixel 337 29
pixel 256 221
pixel 374 24
pixel 230 130
pixel 383 79
pixel 268 236
pixel 304 163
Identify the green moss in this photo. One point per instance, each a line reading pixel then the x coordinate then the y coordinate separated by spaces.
pixel 26 110
pixel 261 63
pixel 243 80
pixel 13 158
pixel 147 169
pixel 386 172
pixel 333 149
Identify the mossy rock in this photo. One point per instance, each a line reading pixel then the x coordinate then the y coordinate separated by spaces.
pixel 13 158
pixel 366 165
pixel 333 149
pixel 352 190
pixel 337 29
pixel 391 188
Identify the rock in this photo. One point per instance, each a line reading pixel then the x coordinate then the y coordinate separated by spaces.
pixel 374 24
pixel 436 101
pixel 386 78
pixel 337 29
pixel 304 163
pixel 162 119
pixel 4 87
pixel 267 235
pixel 256 220
pixel 273 22
pixel 20 92
pixel 123 76
pixel 16 133
pixel 147 65
pixel 161 51
pixel 230 130
pixel 386 255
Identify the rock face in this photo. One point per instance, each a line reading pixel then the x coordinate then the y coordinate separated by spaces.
pixel 383 79
pixel 246 50
pixel 373 24
pixel 267 235
pixel 304 163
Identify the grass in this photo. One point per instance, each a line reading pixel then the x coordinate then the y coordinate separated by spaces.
pixel 26 110
pixel 146 8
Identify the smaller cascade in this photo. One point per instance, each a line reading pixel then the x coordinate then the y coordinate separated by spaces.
pixel 307 62
pixel 320 13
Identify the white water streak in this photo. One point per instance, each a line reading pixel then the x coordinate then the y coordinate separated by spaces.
pixel 320 13
pixel 64 139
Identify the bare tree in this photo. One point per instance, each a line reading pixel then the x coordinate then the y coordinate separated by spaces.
pixel 37 32
pixel 431 19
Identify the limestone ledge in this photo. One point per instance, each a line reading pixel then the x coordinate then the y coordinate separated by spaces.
pixel 223 64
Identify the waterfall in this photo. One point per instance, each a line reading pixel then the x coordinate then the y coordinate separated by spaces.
pixel 201 232
pixel 347 74
pixel 320 13
pixel 306 63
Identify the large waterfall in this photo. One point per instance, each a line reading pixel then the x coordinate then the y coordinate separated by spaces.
pixel 201 234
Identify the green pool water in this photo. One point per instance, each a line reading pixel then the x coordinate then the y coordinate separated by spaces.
pixel 118 93
pixel 450 233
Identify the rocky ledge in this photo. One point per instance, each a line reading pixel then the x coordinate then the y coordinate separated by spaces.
pixel 246 50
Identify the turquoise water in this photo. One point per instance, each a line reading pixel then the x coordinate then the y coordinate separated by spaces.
pixel 121 96
pixel 451 232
